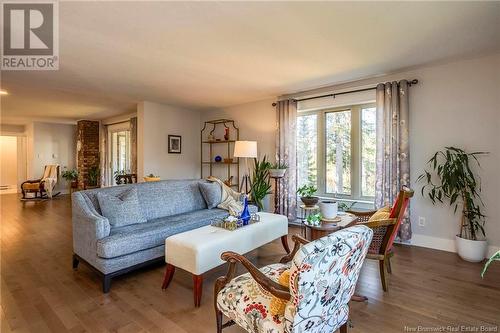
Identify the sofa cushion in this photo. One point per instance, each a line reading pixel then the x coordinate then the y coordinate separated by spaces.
pixel 133 238
pixel 158 199
pixel 212 193
pixel 121 210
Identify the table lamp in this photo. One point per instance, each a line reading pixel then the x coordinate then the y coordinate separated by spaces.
pixel 246 150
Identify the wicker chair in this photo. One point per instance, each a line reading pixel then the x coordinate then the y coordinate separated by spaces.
pixel 384 232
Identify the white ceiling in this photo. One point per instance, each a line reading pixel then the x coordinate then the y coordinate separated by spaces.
pixel 212 54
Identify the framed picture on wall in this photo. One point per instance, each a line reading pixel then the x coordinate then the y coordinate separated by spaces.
pixel 174 144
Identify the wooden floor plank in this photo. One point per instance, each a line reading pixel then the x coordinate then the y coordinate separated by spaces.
pixel 41 292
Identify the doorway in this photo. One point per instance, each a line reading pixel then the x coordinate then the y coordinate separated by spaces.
pixel 119 154
pixel 12 163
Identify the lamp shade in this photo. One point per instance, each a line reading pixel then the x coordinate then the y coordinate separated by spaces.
pixel 245 149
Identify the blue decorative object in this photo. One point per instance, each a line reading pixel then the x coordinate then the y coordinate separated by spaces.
pixel 245 214
pixel 218 158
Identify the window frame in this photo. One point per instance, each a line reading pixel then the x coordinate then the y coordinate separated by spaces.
pixel 356 149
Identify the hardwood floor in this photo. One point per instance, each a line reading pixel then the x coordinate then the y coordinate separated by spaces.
pixel 40 292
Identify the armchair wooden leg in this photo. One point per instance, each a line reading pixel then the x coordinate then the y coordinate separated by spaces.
pixel 388 263
pixel 382 274
pixel 284 242
pixel 343 328
pixel 218 317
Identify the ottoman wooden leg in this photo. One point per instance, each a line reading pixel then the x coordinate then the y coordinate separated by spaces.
pixel 169 274
pixel 197 288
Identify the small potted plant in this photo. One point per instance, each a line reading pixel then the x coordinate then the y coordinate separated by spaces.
pixel 454 181
pixel 306 193
pixel 151 178
pixel 278 170
pixel 71 176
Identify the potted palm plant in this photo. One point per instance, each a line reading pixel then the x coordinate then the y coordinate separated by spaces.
pixel 277 170
pixel 306 193
pixel 261 186
pixel 454 181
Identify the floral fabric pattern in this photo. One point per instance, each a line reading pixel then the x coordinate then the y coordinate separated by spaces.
pixel 393 149
pixel 286 152
pixel 323 276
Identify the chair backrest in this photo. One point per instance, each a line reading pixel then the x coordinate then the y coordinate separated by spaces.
pixel 323 277
pixel 51 171
pixel 397 212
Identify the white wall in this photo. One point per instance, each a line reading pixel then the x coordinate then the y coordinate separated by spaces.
pixel 154 123
pixel 455 103
pixel 51 144
pixel 8 163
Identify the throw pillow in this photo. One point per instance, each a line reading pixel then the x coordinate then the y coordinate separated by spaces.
pixel 212 193
pixel 278 305
pixel 121 210
pixel 381 214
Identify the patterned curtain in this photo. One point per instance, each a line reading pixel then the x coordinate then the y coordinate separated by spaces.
pixel 393 154
pixel 133 145
pixel 286 152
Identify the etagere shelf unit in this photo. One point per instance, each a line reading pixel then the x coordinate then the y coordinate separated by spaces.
pixel 231 163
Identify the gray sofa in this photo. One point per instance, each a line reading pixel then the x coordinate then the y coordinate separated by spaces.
pixel 170 207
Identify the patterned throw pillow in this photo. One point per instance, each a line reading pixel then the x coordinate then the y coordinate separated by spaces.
pixel 121 210
pixel 381 214
pixel 211 192
pixel 278 305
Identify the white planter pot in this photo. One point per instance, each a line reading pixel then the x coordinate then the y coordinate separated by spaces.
pixel 471 250
pixel 277 173
pixel 329 209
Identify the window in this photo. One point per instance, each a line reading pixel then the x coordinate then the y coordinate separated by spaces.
pixel 336 151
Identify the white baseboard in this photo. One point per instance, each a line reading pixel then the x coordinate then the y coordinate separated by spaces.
pixel 442 244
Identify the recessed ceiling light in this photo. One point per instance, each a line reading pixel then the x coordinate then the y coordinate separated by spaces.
pixel 3 92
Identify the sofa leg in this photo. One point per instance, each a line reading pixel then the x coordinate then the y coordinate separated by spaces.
pixel 75 262
pixel 106 284
pixel 343 328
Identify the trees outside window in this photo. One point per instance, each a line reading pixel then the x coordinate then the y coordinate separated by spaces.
pixel 336 151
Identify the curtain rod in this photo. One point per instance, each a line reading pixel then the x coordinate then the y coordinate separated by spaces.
pixel 410 83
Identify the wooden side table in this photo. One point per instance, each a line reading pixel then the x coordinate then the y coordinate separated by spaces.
pixel 305 212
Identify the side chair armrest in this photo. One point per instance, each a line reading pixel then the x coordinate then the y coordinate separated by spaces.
pixel 298 241
pixel 364 213
pixel 265 282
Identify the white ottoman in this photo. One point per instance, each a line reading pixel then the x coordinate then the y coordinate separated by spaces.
pixel 198 251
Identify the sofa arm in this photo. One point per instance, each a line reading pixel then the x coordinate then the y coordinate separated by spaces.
pixel 88 225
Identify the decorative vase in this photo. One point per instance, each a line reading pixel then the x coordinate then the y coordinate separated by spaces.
pixel 328 209
pixel 277 173
pixel 309 201
pixel 471 250
pixel 226 133
pixel 218 159
pixel 245 213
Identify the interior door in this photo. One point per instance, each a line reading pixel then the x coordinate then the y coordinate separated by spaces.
pixel 119 153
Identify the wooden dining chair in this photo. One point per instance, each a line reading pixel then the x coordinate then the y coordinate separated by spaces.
pixel 384 232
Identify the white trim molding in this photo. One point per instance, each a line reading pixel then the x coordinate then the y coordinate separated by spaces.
pixel 442 244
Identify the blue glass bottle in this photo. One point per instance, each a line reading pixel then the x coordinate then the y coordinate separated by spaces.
pixel 245 214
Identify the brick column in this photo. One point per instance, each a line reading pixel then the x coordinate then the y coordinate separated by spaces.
pixel 87 145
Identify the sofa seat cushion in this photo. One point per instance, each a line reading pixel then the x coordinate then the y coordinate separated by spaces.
pixel 137 237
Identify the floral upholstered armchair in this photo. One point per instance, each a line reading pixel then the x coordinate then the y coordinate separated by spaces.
pixel 320 280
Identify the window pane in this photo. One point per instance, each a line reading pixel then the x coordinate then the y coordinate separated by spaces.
pixel 307 143
pixel 368 146
pixel 338 152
